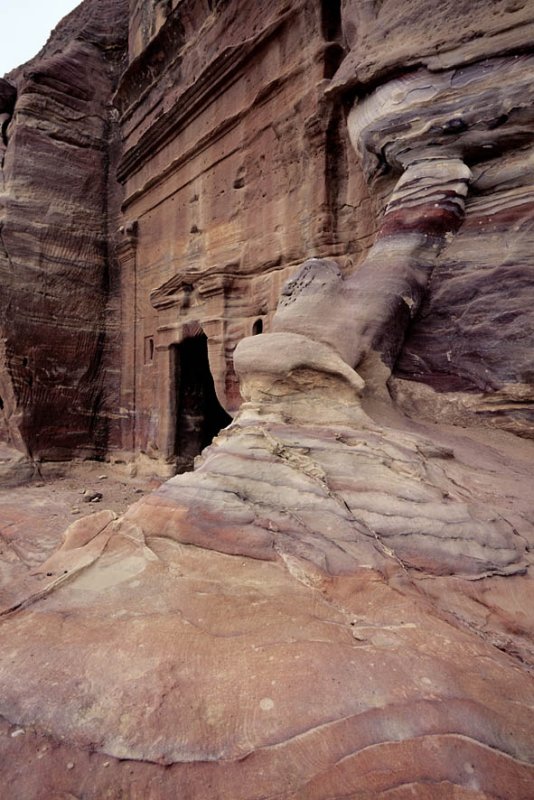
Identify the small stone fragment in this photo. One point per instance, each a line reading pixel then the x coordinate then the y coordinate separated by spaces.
pixel 92 497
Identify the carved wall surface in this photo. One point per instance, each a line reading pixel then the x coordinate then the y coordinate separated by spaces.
pixel 235 170
pixel 229 139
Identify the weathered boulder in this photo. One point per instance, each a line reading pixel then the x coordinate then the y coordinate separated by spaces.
pixel 386 38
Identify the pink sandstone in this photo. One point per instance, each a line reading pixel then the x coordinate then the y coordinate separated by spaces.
pixel 336 602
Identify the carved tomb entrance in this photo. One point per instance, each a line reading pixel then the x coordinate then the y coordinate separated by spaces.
pixel 199 415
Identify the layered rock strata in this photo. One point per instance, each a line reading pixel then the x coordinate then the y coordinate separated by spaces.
pixel 302 551
pixel 336 602
pixel 456 99
pixel 58 197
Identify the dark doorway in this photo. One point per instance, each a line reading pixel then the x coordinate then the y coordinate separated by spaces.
pixel 199 415
pixel 331 19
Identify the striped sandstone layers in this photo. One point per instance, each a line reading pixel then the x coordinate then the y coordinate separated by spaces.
pixel 336 602
pixel 59 282
pixel 325 607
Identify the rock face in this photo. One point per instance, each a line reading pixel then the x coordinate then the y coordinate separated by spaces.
pixel 336 601
pixel 445 106
pixel 59 195
pixel 235 170
pixel 323 541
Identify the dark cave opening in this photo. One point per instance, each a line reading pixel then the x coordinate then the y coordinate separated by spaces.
pixel 199 415
pixel 331 19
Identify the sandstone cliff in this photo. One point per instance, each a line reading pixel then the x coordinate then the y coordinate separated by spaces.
pixel 59 197
pixel 337 601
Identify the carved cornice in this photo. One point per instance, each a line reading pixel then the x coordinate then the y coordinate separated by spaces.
pixel 173 292
pixel 225 69
pixel 277 84
pixel 177 291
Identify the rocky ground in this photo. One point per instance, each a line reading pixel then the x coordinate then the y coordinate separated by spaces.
pixel 34 516
pixel 173 648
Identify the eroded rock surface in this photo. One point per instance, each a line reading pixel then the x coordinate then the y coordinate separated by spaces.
pixel 58 197
pixel 336 602
pixel 275 608
pixel 447 103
